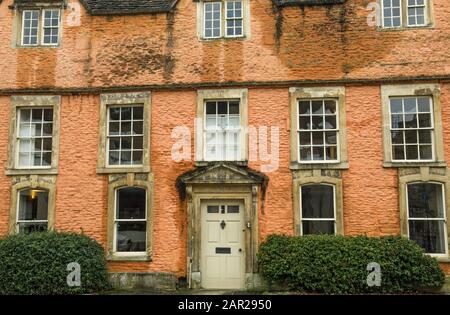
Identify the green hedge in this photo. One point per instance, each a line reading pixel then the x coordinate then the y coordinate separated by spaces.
pixel 36 263
pixel 337 264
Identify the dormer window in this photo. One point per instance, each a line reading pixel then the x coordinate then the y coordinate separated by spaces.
pixel 223 19
pixel 40 27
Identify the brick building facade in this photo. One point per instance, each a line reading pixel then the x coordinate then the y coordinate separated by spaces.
pixel 144 125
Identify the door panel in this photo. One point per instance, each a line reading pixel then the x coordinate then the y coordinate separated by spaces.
pixel 222 260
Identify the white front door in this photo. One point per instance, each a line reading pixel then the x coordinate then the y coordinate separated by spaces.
pixel 222 259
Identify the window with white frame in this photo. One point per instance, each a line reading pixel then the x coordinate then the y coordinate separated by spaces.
pixel 32 212
pixel 318 209
pixel 406 13
pixel 412 131
pixel 318 130
pixel 125 135
pixel 223 19
pixel 40 27
pixel 222 132
pixel 427 217
pixel 130 220
pixel 34 137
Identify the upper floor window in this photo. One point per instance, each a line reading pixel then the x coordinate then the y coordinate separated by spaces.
pixel 318 130
pixel 40 27
pixel 412 128
pixel 404 13
pixel 223 19
pixel 125 135
pixel 35 132
pixel 221 119
pixel 222 130
pixel 412 125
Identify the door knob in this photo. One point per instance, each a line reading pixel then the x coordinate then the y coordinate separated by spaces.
pixel 240 250
pixel 222 224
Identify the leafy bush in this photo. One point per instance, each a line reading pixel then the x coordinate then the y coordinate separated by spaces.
pixel 337 264
pixel 36 263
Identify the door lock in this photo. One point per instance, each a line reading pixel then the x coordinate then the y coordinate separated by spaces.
pixel 240 250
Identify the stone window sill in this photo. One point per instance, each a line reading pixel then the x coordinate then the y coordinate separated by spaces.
pixel 121 170
pixel 32 171
pixel 129 258
pixel 322 166
pixel 415 164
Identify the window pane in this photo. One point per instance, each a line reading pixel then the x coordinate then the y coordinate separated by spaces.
pixel 30 227
pixel 411 121
pixel 317 137
pixel 305 154
pixel 125 157
pixel 428 234
pixel 317 107
pixel 304 107
pixel 25 115
pixel 138 113
pixel 137 157
pixel 305 123
pixel 425 152
pixel 114 113
pixel 412 152
pixel 233 209
pixel 396 106
pixel 425 200
pixel 331 152
pixel 397 137
pixel 410 105
pixel 131 203
pixel 330 107
pixel 210 108
pixel 131 236
pixel 318 153
pixel 318 227
pixel 317 122
pixel 317 201
pixel 33 205
pixel 423 104
pixel 213 209
pixel 125 113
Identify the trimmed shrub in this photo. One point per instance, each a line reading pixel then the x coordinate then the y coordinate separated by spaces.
pixel 36 263
pixel 338 264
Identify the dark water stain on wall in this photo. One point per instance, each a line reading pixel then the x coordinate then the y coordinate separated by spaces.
pixel 131 57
